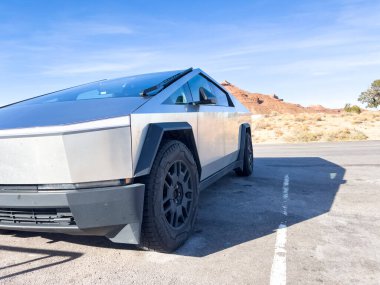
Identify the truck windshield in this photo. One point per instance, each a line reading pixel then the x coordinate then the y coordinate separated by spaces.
pixel 122 87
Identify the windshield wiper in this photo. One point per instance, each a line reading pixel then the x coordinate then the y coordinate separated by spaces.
pixel 151 91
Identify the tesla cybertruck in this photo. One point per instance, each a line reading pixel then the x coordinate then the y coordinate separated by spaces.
pixel 123 158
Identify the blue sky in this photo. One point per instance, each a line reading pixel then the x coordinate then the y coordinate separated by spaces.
pixel 307 52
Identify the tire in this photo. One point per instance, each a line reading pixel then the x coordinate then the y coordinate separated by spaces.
pixel 247 169
pixel 171 198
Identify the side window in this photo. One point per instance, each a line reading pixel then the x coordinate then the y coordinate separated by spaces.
pixel 221 96
pixel 181 96
pixel 197 82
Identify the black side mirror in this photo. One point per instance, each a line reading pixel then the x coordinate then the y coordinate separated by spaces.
pixel 206 97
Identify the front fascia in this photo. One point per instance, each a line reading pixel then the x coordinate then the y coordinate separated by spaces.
pixel 74 157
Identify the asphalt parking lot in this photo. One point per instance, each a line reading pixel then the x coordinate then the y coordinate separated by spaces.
pixel 310 214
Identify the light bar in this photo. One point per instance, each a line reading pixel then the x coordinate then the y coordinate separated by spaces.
pixel 80 127
pixel 66 186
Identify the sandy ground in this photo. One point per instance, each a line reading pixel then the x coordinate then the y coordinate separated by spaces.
pixel 309 127
pixel 329 233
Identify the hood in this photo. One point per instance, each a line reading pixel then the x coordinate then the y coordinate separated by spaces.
pixel 66 113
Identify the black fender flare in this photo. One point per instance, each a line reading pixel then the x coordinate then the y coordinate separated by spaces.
pixel 154 136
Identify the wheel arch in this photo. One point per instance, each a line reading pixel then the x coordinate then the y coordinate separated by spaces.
pixel 159 132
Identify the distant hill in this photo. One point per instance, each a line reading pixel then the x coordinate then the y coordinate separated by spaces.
pixel 265 104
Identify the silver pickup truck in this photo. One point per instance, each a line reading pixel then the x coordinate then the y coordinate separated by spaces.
pixel 123 158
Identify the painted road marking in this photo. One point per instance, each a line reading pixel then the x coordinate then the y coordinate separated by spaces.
pixel 278 272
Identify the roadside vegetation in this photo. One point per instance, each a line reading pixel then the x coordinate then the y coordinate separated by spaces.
pixel 371 97
pixel 317 127
pixel 352 109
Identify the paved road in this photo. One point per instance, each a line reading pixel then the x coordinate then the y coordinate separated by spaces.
pixel 309 215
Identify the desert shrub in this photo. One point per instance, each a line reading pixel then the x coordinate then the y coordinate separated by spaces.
pixel 300 118
pixel 371 115
pixel 362 118
pixel 345 135
pixel 274 113
pixel 305 128
pixel 288 117
pixel 357 122
pixel 279 133
pixel 352 109
pixel 303 134
pixel 262 124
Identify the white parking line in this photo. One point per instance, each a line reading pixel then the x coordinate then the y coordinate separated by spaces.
pixel 278 272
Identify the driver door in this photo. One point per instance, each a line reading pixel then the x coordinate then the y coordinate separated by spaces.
pixel 210 141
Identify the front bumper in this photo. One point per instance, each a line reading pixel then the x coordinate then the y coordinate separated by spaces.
pixel 114 212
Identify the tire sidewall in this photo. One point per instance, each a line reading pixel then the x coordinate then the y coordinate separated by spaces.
pixel 174 237
pixel 248 142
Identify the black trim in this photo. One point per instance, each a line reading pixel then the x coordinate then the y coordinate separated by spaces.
pixel 161 86
pixel 71 230
pixel 153 138
pixel 230 103
pixel 115 212
pixel 217 175
pixel 36 216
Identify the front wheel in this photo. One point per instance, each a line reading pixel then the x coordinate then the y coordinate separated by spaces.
pixel 171 198
pixel 247 159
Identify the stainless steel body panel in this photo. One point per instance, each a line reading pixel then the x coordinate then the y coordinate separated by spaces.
pixel 232 122
pixel 218 137
pixel 211 139
pixel 66 158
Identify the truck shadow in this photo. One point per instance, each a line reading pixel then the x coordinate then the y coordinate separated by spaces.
pixel 40 259
pixel 236 210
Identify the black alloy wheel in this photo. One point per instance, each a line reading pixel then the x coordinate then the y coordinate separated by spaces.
pixel 177 194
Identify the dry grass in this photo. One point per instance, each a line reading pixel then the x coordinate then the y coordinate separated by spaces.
pixel 309 127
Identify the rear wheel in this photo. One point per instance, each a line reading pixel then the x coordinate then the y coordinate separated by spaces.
pixel 171 198
pixel 247 159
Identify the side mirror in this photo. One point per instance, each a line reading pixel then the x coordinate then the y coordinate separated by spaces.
pixel 206 97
